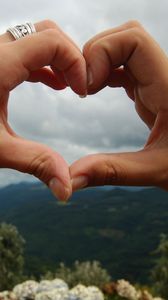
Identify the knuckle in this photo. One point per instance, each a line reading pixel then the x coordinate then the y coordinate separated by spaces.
pixel 42 165
pixel 114 173
pixel 51 32
pixel 89 46
pixel 106 171
pixel 110 173
pixel 49 24
pixel 139 35
pixel 53 37
pixel 133 24
pixel 93 48
pixel 137 30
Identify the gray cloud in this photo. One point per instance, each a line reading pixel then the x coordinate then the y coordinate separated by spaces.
pixel 103 122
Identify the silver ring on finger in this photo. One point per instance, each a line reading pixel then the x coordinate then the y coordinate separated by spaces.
pixel 20 31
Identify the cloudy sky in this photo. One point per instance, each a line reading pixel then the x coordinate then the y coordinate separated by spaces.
pixel 104 122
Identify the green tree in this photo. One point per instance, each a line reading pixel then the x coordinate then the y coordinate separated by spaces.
pixel 159 273
pixel 87 273
pixel 11 256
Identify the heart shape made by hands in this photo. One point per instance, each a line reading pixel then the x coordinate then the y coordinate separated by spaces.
pixel 125 56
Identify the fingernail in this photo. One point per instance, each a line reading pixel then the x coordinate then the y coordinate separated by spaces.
pixel 79 182
pixel 83 96
pixel 90 76
pixel 59 190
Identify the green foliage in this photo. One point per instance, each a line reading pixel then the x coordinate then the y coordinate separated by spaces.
pixel 87 273
pixel 117 227
pixel 160 271
pixel 11 256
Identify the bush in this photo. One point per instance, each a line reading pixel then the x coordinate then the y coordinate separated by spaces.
pixel 159 274
pixel 86 273
pixel 11 256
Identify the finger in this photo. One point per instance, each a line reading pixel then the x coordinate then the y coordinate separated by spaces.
pixel 60 75
pixel 121 78
pixel 60 80
pixel 106 55
pixel 48 24
pixel 145 63
pixel 143 168
pixel 38 160
pixel 49 78
pixel 39 26
pixel 118 78
pixel 125 26
pixel 48 47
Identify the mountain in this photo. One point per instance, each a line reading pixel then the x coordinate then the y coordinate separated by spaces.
pixel 119 227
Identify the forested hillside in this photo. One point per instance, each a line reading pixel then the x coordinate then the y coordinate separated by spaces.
pixel 118 227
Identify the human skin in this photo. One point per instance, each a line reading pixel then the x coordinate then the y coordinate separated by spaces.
pixel 29 58
pixel 128 57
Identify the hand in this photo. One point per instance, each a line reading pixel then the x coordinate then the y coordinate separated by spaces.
pixel 128 57
pixel 26 59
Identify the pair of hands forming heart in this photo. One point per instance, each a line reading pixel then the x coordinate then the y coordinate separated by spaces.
pixel 125 56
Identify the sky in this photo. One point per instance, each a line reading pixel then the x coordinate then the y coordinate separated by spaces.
pixel 105 122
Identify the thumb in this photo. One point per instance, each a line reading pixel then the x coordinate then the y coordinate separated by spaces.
pixel 38 160
pixel 142 168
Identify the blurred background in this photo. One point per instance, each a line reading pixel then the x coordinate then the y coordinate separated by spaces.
pixel 72 126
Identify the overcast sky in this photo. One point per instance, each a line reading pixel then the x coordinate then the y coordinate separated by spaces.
pixel 104 122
